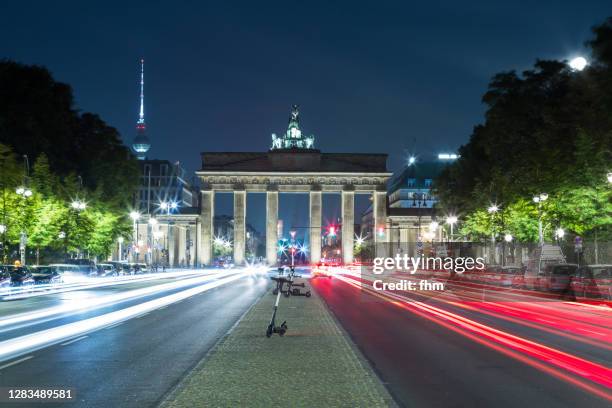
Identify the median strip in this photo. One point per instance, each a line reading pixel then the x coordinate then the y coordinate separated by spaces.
pixel 314 364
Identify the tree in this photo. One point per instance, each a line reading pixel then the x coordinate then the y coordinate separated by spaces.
pixel 37 116
pixel 548 129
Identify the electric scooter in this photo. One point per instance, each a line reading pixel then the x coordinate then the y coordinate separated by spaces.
pixel 272 327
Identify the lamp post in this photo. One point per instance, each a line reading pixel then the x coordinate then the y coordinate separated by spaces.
pixel 152 224
pixel 120 241
pixel 493 209
pixel 3 232
pixel 539 199
pixel 78 206
pixel 25 193
pixel 451 220
pixel 168 207
pixel 135 216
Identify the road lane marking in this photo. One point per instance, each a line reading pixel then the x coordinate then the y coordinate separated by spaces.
pixel 74 340
pixel 12 363
pixel 114 325
pixel 143 315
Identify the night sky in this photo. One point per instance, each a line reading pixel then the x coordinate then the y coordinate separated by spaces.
pixel 384 77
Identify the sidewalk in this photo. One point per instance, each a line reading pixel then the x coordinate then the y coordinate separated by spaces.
pixel 314 365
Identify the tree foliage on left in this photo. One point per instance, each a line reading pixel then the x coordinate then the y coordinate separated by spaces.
pixel 73 156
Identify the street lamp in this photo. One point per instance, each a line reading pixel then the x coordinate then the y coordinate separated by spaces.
pixel 120 241
pixel 508 237
pixel 493 209
pixel 78 206
pixel 152 223
pixel 559 233
pixel 578 63
pixel 168 206
pixel 135 216
pixel 539 199
pixel 451 220
pixel 25 193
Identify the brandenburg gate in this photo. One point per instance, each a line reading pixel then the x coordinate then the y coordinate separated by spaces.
pixel 292 165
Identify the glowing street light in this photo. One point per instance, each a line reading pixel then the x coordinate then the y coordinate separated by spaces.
pixel 411 160
pixel 152 222
pixel 508 237
pixel 493 208
pixel 359 240
pixel 539 199
pixel 559 233
pixel 2 228
pixel 578 63
pixel 78 205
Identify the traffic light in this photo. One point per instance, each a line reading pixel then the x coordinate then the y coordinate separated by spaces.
pixel 331 230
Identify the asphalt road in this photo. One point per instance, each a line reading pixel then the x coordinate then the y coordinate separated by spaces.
pixel 134 363
pixel 426 362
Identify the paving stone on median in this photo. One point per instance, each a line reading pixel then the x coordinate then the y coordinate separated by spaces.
pixel 314 365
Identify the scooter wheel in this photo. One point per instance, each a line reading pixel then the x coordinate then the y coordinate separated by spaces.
pixel 308 294
pixel 269 331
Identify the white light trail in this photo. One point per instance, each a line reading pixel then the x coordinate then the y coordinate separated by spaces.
pixel 18 321
pixel 24 344
pixel 43 290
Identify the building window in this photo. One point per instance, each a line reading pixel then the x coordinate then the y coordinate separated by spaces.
pixel 411 182
pixel 428 183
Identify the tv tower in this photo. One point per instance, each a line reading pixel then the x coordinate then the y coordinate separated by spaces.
pixel 141 144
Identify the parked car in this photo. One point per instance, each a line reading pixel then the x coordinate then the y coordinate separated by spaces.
pixel 508 273
pixel 122 268
pixel 543 256
pixel 593 281
pixel 70 272
pixel 107 269
pixel 138 268
pixel 20 276
pixel 46 274
pixel 86 266
pixel 518 279
pixel 556 277
pixel 5 276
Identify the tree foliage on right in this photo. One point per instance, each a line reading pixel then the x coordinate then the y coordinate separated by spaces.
pixel 548 129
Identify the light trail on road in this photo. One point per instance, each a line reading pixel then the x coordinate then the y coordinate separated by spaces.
pixel 591 377
pixel 89 283
pixel 18 346
pixel 19 320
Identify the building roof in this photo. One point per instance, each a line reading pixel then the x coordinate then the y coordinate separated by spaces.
pixel 294 160
pixel 419 172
